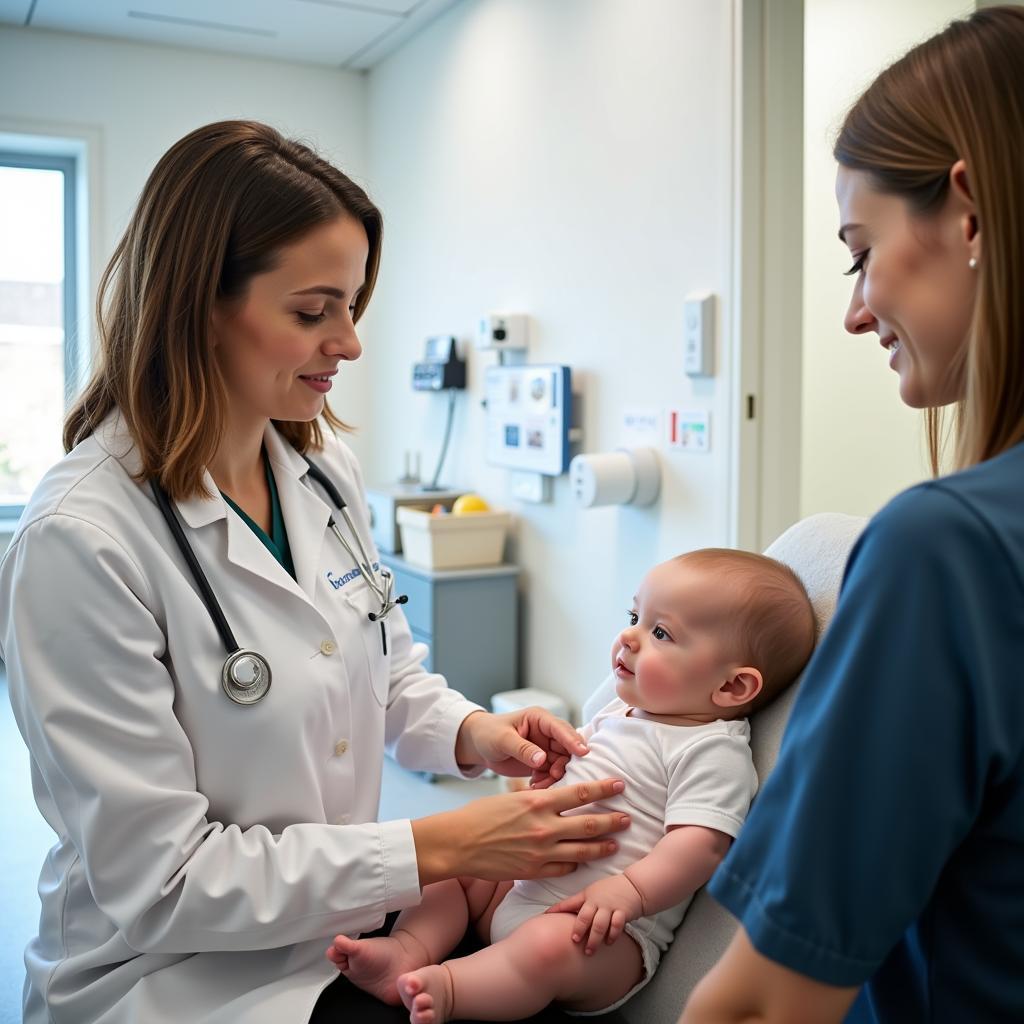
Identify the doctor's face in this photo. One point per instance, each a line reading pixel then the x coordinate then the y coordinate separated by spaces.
pixel 913 286
pixel 281 343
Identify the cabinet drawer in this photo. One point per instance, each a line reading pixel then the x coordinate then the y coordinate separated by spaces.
pixel 419 610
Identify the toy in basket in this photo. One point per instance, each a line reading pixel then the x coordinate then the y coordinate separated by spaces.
pixel 473 535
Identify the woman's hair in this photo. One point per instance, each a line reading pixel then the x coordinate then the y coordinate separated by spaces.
pixel 767 617
pixel 216 211
pixel 960 95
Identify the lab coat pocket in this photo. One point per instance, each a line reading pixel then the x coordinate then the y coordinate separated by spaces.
pixel 375 638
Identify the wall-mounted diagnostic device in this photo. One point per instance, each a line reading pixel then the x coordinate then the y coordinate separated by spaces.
pixel 441 368
pixel 506 332
pixel 529 410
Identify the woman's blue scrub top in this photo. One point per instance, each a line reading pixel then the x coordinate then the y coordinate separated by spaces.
pixel 887 848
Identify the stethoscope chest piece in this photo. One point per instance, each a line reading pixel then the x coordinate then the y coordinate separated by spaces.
pixel 245 677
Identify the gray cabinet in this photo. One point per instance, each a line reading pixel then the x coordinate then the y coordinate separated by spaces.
pixel 469 618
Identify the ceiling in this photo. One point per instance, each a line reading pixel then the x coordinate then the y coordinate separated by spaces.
pixel 351 34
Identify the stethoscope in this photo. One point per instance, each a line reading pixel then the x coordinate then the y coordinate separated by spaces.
pixel 245 675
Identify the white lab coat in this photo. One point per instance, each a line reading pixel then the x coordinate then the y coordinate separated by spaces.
pixel 205 851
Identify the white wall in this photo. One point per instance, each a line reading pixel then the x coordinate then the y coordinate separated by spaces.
pixel 131 101
pixel 861 445
pixel 569 160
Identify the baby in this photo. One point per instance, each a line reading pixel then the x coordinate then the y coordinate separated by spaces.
pixel 712 636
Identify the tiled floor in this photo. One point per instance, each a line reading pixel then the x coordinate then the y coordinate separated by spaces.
pixel 25 838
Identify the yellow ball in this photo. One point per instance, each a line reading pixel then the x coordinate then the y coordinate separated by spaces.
pixel 469 503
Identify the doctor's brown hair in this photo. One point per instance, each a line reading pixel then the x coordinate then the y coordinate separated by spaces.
pixel 960 95
pixel 215 212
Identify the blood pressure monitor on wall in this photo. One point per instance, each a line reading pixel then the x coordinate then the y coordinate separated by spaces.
pixel 441 368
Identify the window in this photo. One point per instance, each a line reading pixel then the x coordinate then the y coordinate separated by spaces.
pixel 39 361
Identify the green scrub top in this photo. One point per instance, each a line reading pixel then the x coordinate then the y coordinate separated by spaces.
pixel 277 542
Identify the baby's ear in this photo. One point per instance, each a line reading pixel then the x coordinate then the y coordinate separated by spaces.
pixel 742 686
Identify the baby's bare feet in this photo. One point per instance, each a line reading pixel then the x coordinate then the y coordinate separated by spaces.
pixel 427 994
pixel 375 964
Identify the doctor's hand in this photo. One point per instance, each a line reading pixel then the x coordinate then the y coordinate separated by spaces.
pixel 530 741
pixel 519 835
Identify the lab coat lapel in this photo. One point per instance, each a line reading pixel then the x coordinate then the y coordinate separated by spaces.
pixel 245 550
pixel 201 510
pixel 306 514
pixel 248 552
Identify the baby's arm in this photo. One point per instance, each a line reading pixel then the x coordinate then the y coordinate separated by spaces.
pixel 680 863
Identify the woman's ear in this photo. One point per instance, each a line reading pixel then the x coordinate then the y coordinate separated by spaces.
pixel 967 210
pixel 742 686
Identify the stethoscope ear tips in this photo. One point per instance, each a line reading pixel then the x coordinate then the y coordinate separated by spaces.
pixel 381 615
pixel 401 599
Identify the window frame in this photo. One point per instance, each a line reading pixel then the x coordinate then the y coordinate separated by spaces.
pixel 75 354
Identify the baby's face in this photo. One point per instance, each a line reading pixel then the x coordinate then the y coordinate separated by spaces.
pixel 669 659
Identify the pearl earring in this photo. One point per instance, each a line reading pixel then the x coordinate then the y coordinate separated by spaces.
pixel 972 263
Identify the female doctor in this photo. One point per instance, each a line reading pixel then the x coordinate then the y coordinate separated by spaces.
pixel 215 815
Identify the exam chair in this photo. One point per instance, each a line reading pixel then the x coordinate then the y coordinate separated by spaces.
pixel 816 549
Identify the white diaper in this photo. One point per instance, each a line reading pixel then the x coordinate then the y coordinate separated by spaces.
pixel 515 908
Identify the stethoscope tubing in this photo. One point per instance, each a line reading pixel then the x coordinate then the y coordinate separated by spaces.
pixel 381 592
pixel 254 689
pixel 205 590
pixel 327 484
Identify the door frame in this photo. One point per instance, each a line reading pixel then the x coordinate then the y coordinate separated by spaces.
pixel 767 278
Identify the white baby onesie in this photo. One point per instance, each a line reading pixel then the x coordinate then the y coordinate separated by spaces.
pixel 674 775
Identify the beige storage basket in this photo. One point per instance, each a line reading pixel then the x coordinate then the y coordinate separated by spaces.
pixel 452 542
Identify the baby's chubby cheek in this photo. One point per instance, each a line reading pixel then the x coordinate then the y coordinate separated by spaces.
pixel 656 682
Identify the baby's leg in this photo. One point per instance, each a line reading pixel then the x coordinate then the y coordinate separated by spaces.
pixel 422 935
pixel 518 976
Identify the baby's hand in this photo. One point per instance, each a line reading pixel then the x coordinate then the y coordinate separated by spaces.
pixel 601 910
pixel 553 769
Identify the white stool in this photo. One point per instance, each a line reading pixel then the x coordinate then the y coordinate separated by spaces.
pixel 513 700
